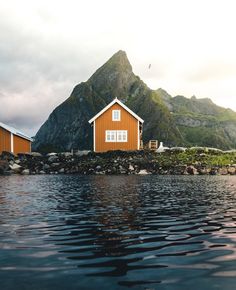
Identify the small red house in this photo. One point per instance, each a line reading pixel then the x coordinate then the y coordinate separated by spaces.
pixel 116 127
pixel 14 141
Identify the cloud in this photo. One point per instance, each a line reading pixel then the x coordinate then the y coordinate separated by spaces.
pixel 216 70
pixel 47 47
pixel 35 75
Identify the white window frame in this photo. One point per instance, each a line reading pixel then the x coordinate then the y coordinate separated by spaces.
pixel 123 134
pixel 116 134
pixel 110 133
pixel 114 117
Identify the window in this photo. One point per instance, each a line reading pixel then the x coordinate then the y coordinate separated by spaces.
pixel 121 136
pixel 110 136
pixel 116 136
pixel 115 115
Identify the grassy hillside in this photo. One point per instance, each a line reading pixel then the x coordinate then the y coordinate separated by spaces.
pixel 201 122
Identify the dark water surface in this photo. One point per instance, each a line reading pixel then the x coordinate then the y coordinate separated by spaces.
pixel 117 232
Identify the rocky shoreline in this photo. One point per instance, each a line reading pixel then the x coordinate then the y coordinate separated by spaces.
pixel 175 161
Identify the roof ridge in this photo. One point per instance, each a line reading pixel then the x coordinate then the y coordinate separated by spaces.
pixel 15 131
pixel 116 100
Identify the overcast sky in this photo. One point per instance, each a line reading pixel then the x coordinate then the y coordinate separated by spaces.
pixel 47 47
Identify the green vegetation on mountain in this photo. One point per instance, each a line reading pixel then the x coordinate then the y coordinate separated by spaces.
pixel 201 122
pixel 173 120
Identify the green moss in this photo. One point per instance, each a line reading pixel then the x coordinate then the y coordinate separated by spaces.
pixel 189 157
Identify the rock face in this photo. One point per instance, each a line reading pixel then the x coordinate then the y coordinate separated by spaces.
pixel 202 122
pixel 176 121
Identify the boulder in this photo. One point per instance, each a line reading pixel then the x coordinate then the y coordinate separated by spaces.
pixel 121 168
pixel 36 154
pixel 100 172
pixel 191 170
pixel 213 171
pixel 53 158
pixel 46 166
pixel 66 154
pixel 223 171
pixel 131 168
pixel 143 172
pixel 25 172
pixel 16 168
pixel 82 153
pixel 4 166
pixel 232 170
pixel 179 170
pixel 55 164
pixel 51 154
pixel 204 171
pixel 7 155
pixel 25 155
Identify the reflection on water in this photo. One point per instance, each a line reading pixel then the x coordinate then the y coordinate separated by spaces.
pixel 117 232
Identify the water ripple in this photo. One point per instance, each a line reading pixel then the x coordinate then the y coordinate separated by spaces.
pixel 116 232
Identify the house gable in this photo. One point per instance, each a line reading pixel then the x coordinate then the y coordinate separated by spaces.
pixel 128 124
pixel 116 101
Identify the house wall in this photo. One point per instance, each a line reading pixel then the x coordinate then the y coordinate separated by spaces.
pixel 21 145
pixel 5 140
pixel 127 122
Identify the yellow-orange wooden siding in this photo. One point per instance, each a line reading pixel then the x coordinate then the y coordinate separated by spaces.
pixel 127 122
pixel 5 140
pixel 20 145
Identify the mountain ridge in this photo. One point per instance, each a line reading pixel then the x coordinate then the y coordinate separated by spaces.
pixel 169 119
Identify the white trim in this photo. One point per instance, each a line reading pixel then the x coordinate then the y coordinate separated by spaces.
pixel 108 132
pixel 113 115
pixel 121 132
pixel 15 132
pixel 111 104
pixel 94 136
pixel 138 137
pixel 12 143
pixel 115 134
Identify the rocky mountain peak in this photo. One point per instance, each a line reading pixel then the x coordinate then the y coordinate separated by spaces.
pixel 116 74
pixel 176 121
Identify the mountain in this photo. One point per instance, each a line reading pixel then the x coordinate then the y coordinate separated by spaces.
pixel 201 122
pixel 67 127
pixel 176 121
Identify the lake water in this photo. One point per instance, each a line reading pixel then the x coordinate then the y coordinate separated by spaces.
pixel 117 232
